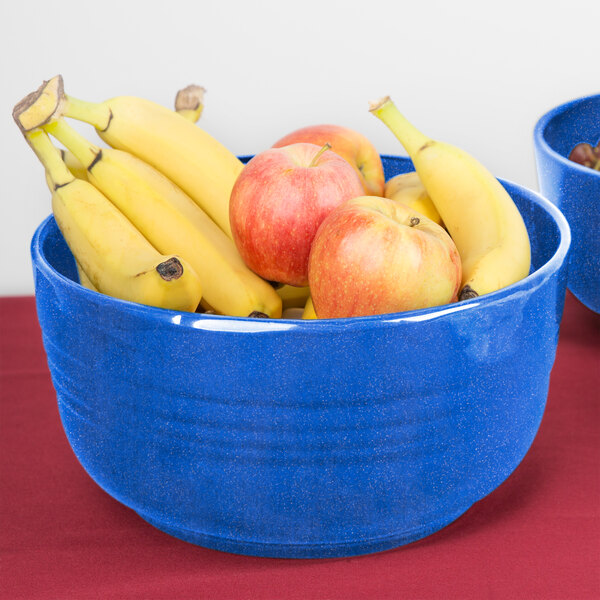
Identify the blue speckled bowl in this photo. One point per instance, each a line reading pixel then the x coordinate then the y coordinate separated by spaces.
pixel 304 438
pixel 575 189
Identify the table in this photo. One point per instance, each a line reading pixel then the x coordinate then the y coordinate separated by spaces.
pixel 535 537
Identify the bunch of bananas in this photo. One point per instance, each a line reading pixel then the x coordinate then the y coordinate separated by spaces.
pixel 147 217
pixel 157 195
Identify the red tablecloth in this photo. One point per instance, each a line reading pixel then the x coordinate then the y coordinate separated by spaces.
pixel 536 537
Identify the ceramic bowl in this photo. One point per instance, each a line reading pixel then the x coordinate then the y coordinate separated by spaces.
pixel 288 438
pixel 575 189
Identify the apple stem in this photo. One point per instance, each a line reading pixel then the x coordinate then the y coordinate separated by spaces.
pixel 414 221
pixel 326 147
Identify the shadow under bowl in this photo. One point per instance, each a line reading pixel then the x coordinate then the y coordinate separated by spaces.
pixel 573 188
pixel 307 439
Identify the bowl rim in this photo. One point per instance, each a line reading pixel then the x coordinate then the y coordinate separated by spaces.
pixel 225 323
pixel 539 134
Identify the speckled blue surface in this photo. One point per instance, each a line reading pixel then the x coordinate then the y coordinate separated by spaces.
pixel 303 438
pixel 575 189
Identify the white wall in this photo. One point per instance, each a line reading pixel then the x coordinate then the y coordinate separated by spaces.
pixel 475 74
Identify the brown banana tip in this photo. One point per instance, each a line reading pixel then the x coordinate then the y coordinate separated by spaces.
pixel 377 104
pixel 170 269
pixel 467 293
pixel 46 113
pixel 256 314
pixel 190 97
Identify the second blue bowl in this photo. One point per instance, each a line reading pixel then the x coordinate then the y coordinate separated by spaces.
pixel 575 189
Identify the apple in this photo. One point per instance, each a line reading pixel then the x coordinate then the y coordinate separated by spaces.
pixel 349 144
pixel 373 255
pixel 408 188
pixel 278 202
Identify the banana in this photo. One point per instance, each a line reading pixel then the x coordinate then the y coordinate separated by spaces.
pixel 309 310
pixel 187 155
pixel 117 258
pixel 172 222
pixel 292 296
pixel 189 103
pixel 408 188
pixel 480 215
pixel 73 164
pixel 84 280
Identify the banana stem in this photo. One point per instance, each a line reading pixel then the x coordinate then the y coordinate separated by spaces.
pixel 41 106
pixel 50 157
pixel 94 113
pixel 408 135
pixel 83 150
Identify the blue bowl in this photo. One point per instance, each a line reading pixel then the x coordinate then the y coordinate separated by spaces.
pixel 288 438
pixel 575 189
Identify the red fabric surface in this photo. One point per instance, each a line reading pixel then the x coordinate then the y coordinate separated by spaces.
pixel 536 536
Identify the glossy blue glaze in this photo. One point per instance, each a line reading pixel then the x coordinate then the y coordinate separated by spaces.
pixel 575 189
pixel 303 438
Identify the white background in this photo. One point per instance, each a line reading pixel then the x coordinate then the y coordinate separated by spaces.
pixel 475 74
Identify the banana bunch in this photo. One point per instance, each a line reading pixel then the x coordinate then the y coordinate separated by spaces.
pixel 114 255
pixel 160 213
pixel 477 211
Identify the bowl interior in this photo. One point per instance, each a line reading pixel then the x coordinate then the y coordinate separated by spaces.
pixel 572 123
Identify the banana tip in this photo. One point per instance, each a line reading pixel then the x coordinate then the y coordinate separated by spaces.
pixel 377 104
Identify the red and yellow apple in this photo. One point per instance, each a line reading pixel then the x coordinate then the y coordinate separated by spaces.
pixel 278 202
pixel 373 255
pixel 349 144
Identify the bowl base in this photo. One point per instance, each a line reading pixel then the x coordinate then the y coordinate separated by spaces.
pixel 302 550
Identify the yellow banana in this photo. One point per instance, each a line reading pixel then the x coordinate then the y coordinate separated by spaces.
pixel 117 258
pixel 73 164
pixel 189 103
pixel 480 215
pixel 84 280
pixel 187 155
pixel 292 296
pixel 408 188
pixel 309 310
pixel 172 222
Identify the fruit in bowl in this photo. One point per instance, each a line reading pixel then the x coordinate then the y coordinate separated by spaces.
pixel 372 255
pixel 478 212
pixel 278 202
pixel 587 155
pixel 349 144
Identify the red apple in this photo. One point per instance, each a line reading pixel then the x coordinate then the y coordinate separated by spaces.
pixel 373 256
pixel 278 202
pixel 349 144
